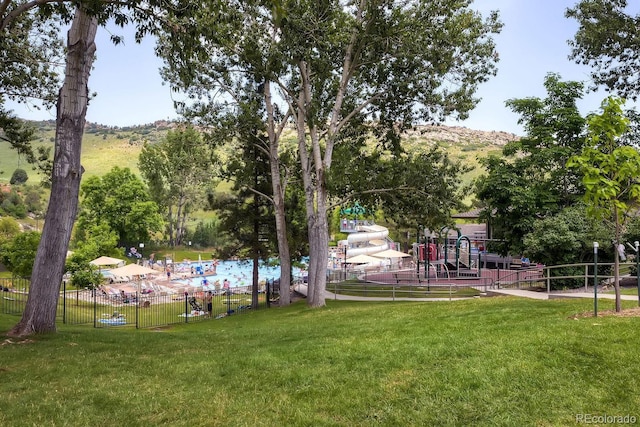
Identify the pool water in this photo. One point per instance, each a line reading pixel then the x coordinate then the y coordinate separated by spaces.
pixel 239 273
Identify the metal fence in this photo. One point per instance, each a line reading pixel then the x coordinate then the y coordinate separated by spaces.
pixel 451 289
pixel 139 310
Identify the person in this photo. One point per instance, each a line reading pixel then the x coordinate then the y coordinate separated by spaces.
pixel 168 273
pixel 226 285
pixel 217 286
pixel 621 254
pixel 209 300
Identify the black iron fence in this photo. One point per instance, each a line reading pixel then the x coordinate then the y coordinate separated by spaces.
pixel 138 309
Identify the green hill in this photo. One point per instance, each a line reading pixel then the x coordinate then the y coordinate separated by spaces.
pixel 106 146
pixel 102 147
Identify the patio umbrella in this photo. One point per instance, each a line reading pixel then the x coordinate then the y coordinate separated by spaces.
pixel 390 253
pixel 361 259
pixel 105 260
pixel 132 270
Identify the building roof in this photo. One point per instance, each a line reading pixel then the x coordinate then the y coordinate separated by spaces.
pixel 472 214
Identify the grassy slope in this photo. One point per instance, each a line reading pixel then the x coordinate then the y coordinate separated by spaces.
pixel 498 361
pixel 104 148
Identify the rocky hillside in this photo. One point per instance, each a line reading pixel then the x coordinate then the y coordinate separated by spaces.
pixel 462 135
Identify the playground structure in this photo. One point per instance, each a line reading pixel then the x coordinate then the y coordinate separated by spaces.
pixel 370 239
pixel 446 254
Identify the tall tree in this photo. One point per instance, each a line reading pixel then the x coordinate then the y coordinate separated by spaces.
pixel 335 64
pixel 119 199
pixel 247 215
pixel 39 314
pixel 608 40
pixel 178 171
pixel 40 309
pixel 530 179
pixel 236 82
pixel 397 64
pixel 610 173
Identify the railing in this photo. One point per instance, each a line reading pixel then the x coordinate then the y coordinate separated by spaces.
pixel 510 278
pixel 14 295
pixel 545 276
pixel 443 289
pixel 140 310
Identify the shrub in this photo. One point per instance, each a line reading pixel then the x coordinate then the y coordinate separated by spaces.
pixel 19 177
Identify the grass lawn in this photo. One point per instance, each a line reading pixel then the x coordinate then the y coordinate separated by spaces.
pixel 492 361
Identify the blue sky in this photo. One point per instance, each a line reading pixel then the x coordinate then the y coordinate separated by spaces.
pixel 533 43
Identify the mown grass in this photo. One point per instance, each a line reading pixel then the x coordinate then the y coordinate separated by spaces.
pixel 498 361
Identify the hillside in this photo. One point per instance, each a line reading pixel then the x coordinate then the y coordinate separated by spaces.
pixel 107 146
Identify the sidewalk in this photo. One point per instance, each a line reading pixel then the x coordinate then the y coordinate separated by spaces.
pixel 302 289
pixel 554 295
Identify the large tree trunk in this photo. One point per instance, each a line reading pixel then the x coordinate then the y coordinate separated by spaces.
pixel 39 315
pixel 313 178
pixel 318 250
pixel 616 260
pixel 255 252
pixel 278 201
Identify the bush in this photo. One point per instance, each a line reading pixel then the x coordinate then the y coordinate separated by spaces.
pixel 19 177
pixel 13 205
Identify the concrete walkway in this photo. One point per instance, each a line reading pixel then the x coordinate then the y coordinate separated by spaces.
pixel 302 289
pixel 556 295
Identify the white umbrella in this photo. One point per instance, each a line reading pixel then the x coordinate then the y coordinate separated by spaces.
pixel 361 259
pixel 105 260
pixel 390 253
pixel 132 270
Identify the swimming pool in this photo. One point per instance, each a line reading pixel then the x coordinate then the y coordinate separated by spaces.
pixel 239 273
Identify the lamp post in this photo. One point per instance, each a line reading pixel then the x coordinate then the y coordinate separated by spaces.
pixel 637 246
pixel 595 279
pixel 344 262
pixel 427 261
pixel 418 251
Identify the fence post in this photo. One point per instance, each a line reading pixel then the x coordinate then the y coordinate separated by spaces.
pixel 548 279
pixel 137 307
pixel 595 279
pixel 267 292
pixel 95 307
pixel 586 277
pixel 64 301
pixel 186 307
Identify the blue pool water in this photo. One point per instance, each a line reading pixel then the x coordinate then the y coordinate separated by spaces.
pixel 239 273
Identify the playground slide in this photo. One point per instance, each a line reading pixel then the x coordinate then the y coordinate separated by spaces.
pixel 369 233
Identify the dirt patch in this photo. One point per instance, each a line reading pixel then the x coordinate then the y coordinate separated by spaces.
pixel 10 342
pixel 629 312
